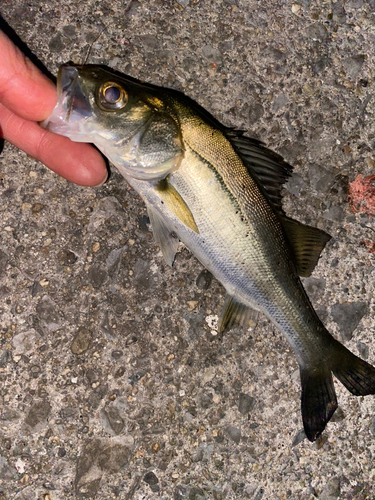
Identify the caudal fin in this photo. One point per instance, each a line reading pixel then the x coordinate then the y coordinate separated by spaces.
pixel 318 400
pixel 357 375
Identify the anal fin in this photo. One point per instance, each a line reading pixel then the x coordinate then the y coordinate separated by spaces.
pixel 235 313
pixel 164 236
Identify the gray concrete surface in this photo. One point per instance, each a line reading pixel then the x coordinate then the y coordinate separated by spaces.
pixel 112 383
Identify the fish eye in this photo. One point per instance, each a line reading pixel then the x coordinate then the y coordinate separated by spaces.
pixel 111 96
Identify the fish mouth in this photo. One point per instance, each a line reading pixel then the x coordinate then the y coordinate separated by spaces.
pixel 66 78
pixel 70 93
pixel 73 108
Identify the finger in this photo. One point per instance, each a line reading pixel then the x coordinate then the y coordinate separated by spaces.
pixel 77 162
pixel 23 88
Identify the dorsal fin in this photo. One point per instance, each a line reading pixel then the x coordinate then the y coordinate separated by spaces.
pixel 306 243
pixel 270 171
pixel 268 168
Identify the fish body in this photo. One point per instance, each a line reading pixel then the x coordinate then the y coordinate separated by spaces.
pixel 220 194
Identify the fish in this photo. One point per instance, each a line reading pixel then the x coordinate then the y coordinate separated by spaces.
pixel 219 193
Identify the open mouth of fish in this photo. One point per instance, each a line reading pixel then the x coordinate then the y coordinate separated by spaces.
pixel 72 109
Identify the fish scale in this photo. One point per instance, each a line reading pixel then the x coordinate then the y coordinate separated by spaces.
pixel 220 194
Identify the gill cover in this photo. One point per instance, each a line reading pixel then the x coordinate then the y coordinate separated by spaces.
pixel 153 152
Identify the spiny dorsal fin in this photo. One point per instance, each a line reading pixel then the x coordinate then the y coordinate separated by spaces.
pixel 267 167
pixel 235 313
pixel 306 243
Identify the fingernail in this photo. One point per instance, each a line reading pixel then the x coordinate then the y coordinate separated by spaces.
pixel 103 181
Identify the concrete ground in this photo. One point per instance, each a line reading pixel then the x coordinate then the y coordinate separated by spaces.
pixel 112 383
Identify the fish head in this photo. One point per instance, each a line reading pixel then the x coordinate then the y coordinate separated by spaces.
pixel 128 121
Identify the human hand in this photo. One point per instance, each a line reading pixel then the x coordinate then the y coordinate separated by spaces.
pixel 28 97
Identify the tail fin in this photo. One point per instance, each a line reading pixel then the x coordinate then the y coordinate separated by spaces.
pixel 318 400
pixel 356 375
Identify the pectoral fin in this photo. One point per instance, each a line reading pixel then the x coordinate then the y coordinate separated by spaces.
pixel 171 198
pixel 235 313
pixel 164 236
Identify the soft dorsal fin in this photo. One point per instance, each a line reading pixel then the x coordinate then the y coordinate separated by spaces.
pixel 267 167
pixel 306 243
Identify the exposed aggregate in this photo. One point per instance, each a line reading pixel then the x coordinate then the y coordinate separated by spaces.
pixel 113 384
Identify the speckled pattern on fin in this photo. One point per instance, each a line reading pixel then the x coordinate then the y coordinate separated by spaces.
pixel 235 313
pixel 164 236
pixel 175 203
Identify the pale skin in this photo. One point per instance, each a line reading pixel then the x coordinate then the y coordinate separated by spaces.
pixel 28 97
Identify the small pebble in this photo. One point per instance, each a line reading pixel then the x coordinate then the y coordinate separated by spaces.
pixel 245 403
pixel 296 8
pixel 150 478
pixel 233 433
pixel 81 341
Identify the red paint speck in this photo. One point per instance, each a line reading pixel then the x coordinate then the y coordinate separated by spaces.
pixel 370 244
pixel 362 194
